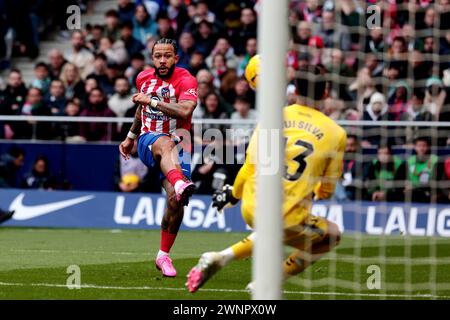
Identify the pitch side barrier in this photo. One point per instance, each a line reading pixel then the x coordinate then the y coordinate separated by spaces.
pixel 112 210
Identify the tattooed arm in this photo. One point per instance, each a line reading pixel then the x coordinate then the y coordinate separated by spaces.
pixel 127 145
pixel 136 126
pixel 180 110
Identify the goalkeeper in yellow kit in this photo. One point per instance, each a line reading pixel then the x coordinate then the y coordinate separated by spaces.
pixel 314 156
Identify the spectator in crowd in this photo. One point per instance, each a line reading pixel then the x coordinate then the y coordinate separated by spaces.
pixel 303 33
pixel 375 41
pixel 115 52
pixel 100 72
pixel 351 185
pixel 185 50
pixel 56 63
pixel 376 110
pixel 350 12
pixel 310 11
pixel 333 108
pixel 246 31
pixel 89 85
pixel 398 100
pixel 196 63
pixel 147 52
pixel 121 100
pixel 137 63
pixel 126 9
pixel 41 79
pixel 333 35
pixel 131 174
pixel 112 23
pixel 132 45
pixel 224 48
pixel 70 131
pixel 177 13
pixel 421 70
pixel 374 65
pixel 209 175
pixel 417 111
pixel 423 171
pixel 40 176
pixel 250 51
pixel 219 69
pixel 143 25
pixel 81 57
pixel 94 37
pixel 242 132
pixel 203 14
pixel 113 71
pixel 10 164
pixel 205 38
pixel 165 29
pixel 362 89
pixel 338 67
pixel 35 106
pixel 13 96
pixel 386 176
pixel 71 79
pixel 56 99
pixel 212 110
pixel 97 107
pixel 435 95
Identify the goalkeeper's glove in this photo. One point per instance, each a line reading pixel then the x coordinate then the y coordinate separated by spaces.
pixel 224 198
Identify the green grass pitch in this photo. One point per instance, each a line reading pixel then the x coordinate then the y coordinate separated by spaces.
pixel 119 264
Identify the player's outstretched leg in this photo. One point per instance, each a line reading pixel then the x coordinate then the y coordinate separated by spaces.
pixel 170 224
pixel 165 151
pixel 211 262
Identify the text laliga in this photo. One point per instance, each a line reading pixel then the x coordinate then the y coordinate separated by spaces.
pixel 196 215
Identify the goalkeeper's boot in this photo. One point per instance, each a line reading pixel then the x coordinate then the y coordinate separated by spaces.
pixel 164 264
pixel 208 264
pixel 184 190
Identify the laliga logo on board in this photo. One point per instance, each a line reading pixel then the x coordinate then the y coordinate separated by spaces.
pixel 196 215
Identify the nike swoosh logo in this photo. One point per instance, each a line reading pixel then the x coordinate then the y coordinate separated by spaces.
pixel 24 212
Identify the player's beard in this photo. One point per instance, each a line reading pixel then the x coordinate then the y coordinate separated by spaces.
pixel 167 75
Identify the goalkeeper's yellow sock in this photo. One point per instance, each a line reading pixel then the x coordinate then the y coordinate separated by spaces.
pixel 243 249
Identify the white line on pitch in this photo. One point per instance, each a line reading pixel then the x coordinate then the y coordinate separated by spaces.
pixel 318 293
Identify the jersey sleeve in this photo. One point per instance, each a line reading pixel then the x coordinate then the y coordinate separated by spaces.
pixel 333 170
pixel 248 168
pixel 139 80
pixel 188 89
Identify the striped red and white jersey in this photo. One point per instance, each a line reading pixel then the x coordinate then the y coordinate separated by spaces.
pixel 181 86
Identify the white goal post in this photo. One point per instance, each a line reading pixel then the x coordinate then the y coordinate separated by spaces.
pixel 270 99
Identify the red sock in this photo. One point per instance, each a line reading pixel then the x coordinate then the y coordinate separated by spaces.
pixel 173 176
pixel 167 240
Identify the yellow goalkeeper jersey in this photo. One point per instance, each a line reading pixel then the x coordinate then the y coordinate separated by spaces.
pixel 315 147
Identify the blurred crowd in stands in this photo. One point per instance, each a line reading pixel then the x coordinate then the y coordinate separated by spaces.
pixel 398 71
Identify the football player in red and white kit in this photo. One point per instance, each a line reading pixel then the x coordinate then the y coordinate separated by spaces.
pixel 167 96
